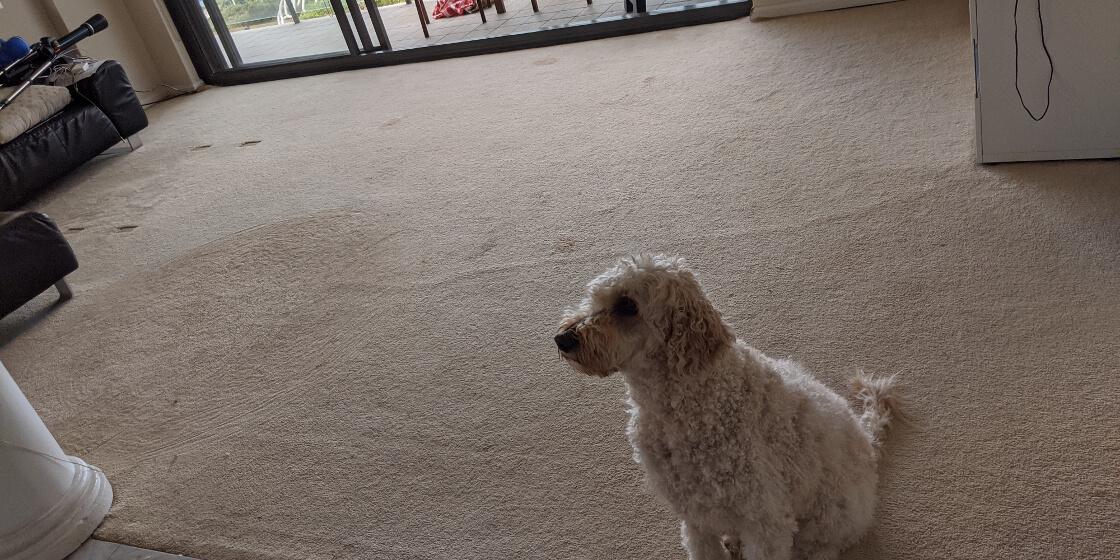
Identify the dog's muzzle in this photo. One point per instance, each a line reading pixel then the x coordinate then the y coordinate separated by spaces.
pixel 567 341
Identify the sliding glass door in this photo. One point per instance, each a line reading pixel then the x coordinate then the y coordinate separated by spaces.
pixel 243 41
pixel 256 32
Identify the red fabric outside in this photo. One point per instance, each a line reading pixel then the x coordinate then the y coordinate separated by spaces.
pixel 452 8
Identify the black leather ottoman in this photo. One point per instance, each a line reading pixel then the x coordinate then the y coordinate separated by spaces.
pixel 105 110
pixel 33 257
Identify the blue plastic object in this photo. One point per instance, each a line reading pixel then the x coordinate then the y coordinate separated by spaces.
pixel 13 49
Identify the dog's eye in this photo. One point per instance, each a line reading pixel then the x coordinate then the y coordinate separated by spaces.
pixel 625 307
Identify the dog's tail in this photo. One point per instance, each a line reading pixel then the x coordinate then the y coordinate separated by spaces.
pixel 881 404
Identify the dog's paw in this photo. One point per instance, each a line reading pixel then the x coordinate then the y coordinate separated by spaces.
pixel 733 547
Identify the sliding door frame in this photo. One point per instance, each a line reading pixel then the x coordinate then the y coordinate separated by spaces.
pixel 207 56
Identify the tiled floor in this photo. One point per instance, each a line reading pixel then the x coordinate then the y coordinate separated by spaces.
pixel 101 550
pixel 322 35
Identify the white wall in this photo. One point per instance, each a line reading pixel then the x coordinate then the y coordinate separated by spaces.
pixel 26 18
pixel 165 46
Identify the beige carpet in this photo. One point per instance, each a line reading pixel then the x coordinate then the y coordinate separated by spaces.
pixel 336 343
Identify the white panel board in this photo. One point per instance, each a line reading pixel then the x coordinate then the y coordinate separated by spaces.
pixel 1083 116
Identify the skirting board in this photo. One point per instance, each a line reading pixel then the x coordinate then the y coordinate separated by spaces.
pixel 776 8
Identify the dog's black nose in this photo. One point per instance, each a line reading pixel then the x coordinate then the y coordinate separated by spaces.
pixel 567 341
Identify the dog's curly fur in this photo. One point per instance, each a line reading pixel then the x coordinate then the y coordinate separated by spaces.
pixel 757 458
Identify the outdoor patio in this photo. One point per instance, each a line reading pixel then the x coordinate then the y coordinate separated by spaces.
pixel 321 35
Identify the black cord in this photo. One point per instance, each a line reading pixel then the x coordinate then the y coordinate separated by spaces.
pixel 1042 33
pixel 183 92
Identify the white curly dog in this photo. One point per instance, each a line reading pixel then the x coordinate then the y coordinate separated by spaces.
pixel 757 458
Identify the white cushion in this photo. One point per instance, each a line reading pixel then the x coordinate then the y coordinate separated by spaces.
pixel 32 107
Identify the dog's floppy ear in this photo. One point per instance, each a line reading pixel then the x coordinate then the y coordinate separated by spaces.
pixel 693 330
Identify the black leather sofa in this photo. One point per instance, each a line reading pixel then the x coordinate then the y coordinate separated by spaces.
pixel 34 256
pixel 103 112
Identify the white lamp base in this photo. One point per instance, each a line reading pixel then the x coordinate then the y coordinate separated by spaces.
pixel 52 502
pixel 69 523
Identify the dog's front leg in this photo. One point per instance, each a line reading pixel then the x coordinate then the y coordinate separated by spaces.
pixel 702 545
pixel 768 541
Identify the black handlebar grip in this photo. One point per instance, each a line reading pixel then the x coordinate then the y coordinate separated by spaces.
pixel 87 28
pixel 98 23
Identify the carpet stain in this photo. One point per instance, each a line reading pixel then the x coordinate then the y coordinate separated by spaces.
pixel 770 94
pixel 391 122
pixel 547 61
pixel 486 247
pixel 565 245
